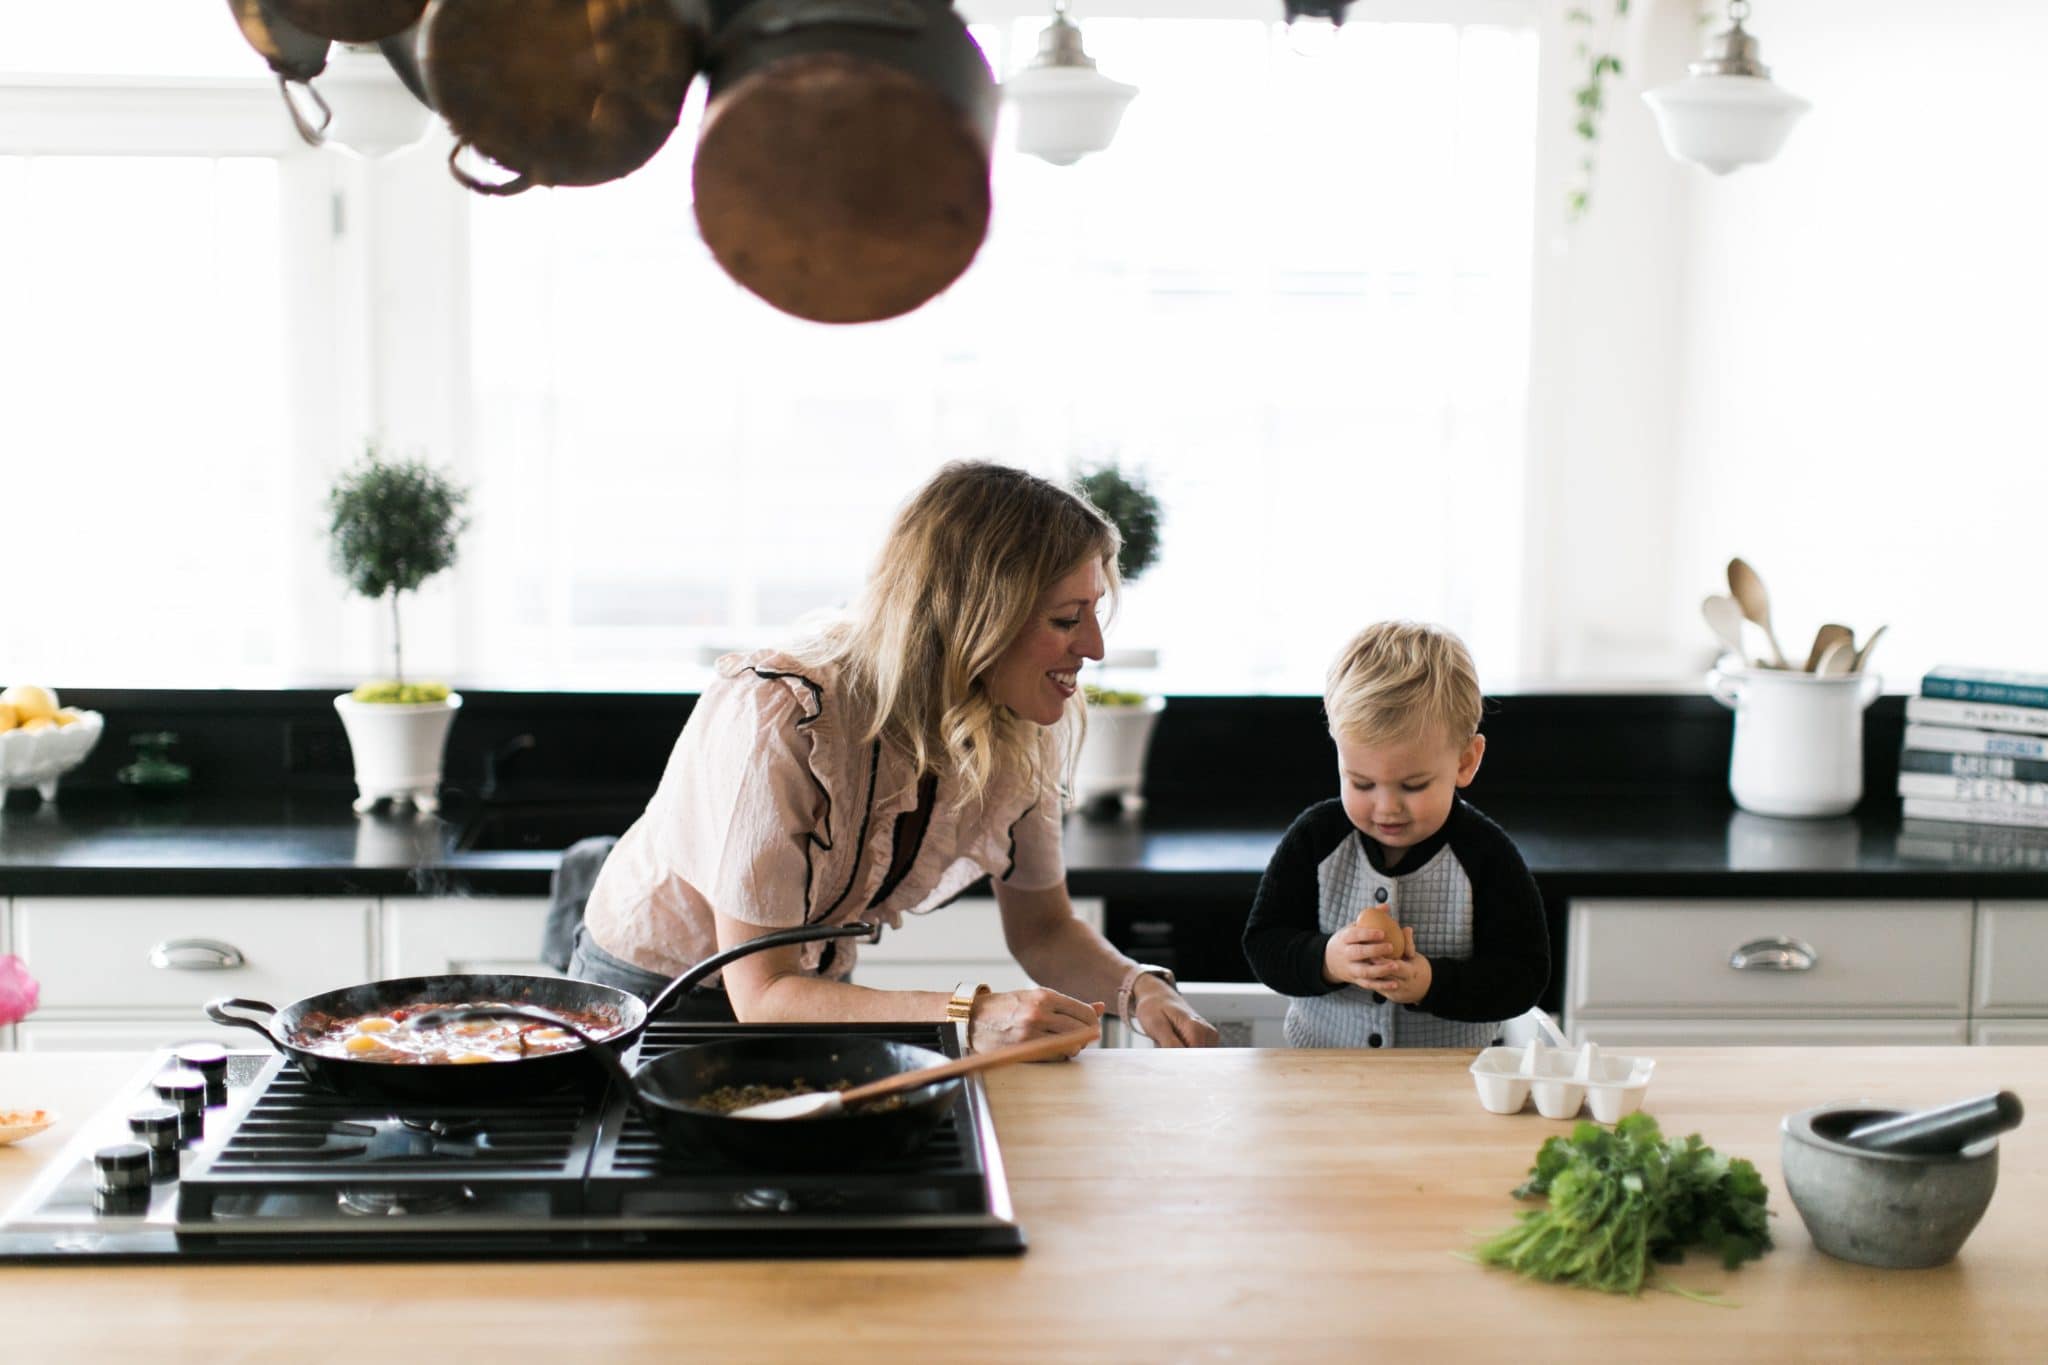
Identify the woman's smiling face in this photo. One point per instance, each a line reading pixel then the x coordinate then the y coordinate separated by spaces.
pixel 1040 671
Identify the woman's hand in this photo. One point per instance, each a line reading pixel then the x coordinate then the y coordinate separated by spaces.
pixel 1003 1017
pixel 1403 980
pixel 1168 1019
pixel 1354 954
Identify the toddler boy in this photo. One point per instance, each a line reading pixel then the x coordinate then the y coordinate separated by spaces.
pixel 1403 703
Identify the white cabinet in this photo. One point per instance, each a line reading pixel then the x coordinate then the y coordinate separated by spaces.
pixel 962 941
pixel 160 959
pixel 2010 1033
pixel 2012 960
pixel 483 934
pixel 1769 971
pixel 1245 1013
pixel 1654 1033
pixel 44 1034
pixel 2009 992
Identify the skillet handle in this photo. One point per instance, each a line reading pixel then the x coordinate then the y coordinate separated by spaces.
pixel 607 1060
pixel 780 938
pixel 218 1011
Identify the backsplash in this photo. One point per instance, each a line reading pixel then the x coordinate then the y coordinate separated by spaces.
pixel 1231 755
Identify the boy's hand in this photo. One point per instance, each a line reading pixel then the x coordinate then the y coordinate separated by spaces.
pixel 1403 980
pixel 1355 951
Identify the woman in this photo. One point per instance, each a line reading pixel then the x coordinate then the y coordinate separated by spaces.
pixel 882 768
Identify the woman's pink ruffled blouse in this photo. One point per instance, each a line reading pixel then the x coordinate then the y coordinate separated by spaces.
pixel 773 815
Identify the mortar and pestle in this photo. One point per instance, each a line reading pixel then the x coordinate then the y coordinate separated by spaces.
pixel 1892 1188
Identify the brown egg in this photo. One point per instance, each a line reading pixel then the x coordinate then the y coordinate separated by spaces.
pixel 1378 917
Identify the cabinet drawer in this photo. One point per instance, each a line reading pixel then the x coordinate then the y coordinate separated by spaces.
pixel 970 929
pixel 484 934
pixel 1650 1034
pixel 1660 958
pixel 167 953
pixel 127 1035
pixel 2012 943
pixel 2010 1033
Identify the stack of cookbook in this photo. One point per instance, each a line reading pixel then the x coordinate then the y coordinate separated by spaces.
pixel 1976 754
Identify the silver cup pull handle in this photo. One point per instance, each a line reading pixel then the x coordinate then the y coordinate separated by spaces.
pixel 1774 954
pixel 196 955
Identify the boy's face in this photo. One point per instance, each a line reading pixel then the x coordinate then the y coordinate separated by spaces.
pixel 1400 793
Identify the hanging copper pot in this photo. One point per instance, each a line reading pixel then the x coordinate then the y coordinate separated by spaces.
pixel 842 172
pixel 402 51
pixel 560 92
pixel 295 58
pixel 351 21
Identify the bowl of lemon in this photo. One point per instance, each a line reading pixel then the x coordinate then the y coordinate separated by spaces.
pixel 40 741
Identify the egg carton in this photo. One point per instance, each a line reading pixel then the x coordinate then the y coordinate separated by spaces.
pixel 1561 1080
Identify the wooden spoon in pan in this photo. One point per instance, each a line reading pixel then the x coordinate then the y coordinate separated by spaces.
pixel 820 1103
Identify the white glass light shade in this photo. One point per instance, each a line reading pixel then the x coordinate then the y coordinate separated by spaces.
pixel 1724 122
pixel 374 114
pixel 1066 112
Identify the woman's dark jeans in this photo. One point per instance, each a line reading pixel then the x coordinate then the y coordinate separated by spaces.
pixel 591 963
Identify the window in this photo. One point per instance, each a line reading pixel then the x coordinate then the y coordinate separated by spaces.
pixel 1295 291
pixel 147 434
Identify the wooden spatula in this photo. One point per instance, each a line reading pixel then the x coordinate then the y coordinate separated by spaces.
pixel 819 1103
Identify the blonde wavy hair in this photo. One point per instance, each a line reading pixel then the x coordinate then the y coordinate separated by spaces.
pixel 959 577
pixel 1397 680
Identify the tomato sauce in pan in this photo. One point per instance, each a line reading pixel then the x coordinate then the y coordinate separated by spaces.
pixel 392 1037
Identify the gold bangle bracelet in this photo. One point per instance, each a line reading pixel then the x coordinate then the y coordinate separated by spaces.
pixel 960 1009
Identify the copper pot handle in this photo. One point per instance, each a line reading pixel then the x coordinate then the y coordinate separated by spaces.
pixel 315 135
pixel 517 185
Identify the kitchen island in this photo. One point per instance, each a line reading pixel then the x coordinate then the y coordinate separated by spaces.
pixel 1224 1205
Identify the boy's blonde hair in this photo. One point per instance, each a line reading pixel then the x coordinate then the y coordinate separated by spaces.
pixel 1397 679
pixel 958 579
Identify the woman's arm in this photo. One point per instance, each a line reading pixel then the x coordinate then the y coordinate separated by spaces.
pixel 771 986
pixel 1058 947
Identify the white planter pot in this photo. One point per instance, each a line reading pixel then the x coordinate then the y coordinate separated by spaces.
pixel 1112 762
pixel 1798 738
pixel 397 748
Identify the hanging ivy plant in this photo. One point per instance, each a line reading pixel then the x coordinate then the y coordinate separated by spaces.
pixel 1589 97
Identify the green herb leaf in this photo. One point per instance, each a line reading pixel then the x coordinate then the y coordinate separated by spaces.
pixel 1621 1200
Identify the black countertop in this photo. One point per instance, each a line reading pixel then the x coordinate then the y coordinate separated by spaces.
pixel 1577 844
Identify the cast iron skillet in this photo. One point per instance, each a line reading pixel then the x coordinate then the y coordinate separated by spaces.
pixel 664 1091
pixel 494 1082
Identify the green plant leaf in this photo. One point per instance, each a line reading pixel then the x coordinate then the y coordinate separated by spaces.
pixel 1128 501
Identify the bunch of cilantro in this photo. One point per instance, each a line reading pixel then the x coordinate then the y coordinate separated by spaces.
pixel 1621 1200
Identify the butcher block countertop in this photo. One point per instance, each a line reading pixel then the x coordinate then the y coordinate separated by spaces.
pixel 1216 1206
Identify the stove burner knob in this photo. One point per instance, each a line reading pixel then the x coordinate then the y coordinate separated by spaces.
pixel 211 1061
pixel 121 1169
pixel 184 1091
pixel 157 1129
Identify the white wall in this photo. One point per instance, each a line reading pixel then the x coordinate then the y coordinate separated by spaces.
pixel 1828 364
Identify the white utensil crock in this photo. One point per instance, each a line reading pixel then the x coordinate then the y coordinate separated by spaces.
pixel 1798 738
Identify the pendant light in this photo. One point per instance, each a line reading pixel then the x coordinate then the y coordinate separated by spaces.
pixel 1726 113
pixel 1312 25
pixel 1065 107
pixel 372 112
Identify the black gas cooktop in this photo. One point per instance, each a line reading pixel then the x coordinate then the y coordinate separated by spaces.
pixel 284 1168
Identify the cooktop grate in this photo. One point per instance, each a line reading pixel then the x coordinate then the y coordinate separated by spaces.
pixel 289 1169
pixel 632 1173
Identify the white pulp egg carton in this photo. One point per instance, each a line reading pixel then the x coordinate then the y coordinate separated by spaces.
pixel 1561 1080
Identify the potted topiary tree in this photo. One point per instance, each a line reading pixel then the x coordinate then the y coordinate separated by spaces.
pixel 393 524
pixel 1109 777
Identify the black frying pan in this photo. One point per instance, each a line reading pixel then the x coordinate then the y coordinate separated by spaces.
pixel 665 1091
pixel 495 1082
